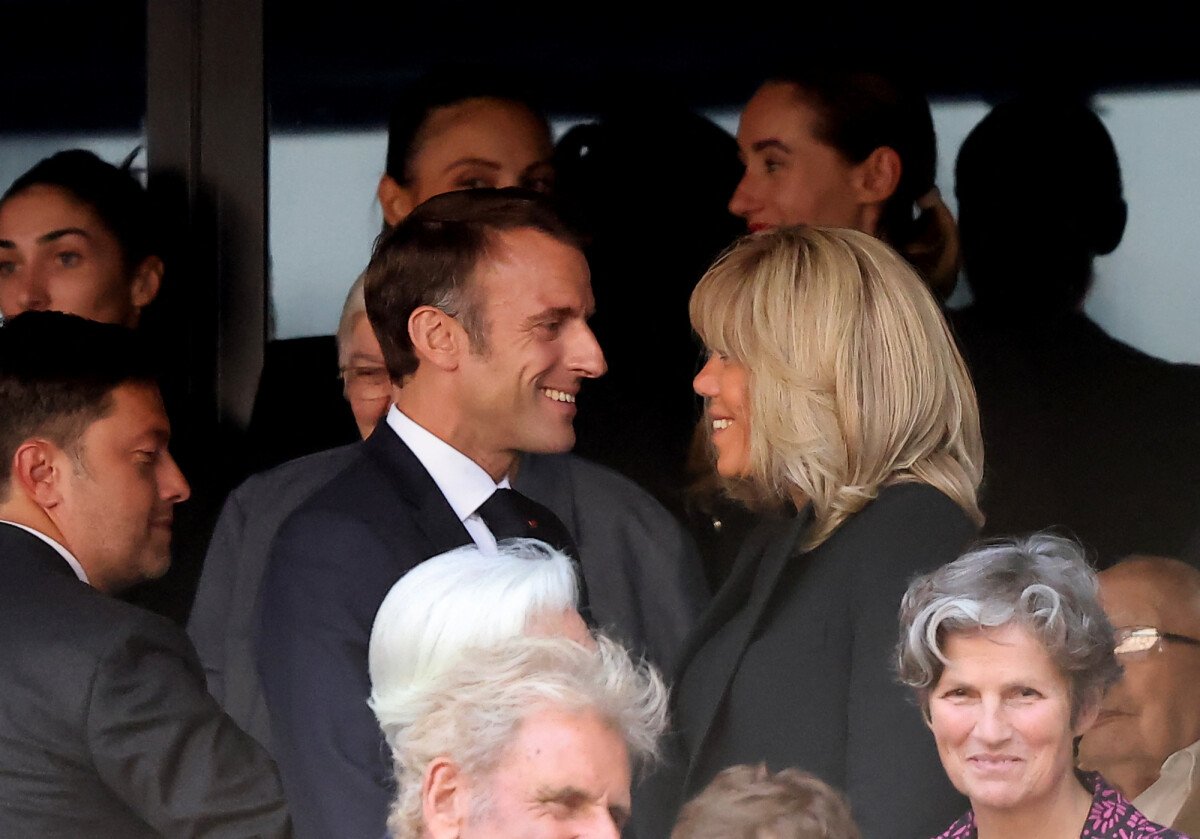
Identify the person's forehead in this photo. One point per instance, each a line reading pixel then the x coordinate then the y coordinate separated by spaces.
pixel 525 261
pixel 136 409
pixel 480 117
pixel 566 746
pixel 1133 594
pixel 48 206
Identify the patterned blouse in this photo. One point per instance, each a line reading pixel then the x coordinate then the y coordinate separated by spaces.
pixel 1111 817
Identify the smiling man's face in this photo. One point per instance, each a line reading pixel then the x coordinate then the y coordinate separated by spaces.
pixel 516 391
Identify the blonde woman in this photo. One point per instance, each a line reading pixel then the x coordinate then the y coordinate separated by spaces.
pixel 832 386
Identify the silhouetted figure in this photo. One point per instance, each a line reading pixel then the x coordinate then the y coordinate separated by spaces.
pixel 648 185
pixel 1081 431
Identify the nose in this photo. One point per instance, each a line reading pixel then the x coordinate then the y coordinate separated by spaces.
pixel 24 291
pixel 587 358
pixel 992 726
pixel 705 383
pixel 172 486
pixel 603 827
pixel 743 202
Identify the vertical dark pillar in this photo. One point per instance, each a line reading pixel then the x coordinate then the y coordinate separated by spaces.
pixel 206 148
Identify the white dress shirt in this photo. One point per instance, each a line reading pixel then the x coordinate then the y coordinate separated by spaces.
pixel 1163 799
pixel 63 552
pixel 463 482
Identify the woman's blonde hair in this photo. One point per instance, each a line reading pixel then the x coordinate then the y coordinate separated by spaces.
pixel 854 379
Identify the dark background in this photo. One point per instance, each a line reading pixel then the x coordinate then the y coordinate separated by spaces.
pixel 81 65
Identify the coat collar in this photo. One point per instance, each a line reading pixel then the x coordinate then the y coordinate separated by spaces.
pixel 403 473
pixel 753 579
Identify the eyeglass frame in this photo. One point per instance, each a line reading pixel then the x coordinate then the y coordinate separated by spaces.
pixel 1131 632
pixel 352 375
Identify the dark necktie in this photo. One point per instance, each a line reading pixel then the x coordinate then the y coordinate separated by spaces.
pixel 509 514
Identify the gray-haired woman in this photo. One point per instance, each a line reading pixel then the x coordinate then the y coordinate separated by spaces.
pixel 1009 653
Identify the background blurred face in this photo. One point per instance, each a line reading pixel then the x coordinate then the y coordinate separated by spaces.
pixel 1001 715
pixel 117 500
pixel 791 177
pixel 366 384
pixel 517 394
pixel 724 384
pixel 1154 710
pixel 56 254
pixel 564 775
pixel 475 143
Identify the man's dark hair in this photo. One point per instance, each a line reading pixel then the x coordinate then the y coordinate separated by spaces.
pixel 429 259
pixel 57 375
pixel 112 193
pixel 439 89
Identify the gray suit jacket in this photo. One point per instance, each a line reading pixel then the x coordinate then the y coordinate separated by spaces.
pixel 641 570
pixel 105 726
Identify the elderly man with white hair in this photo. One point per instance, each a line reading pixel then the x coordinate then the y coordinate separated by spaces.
pixel 533 737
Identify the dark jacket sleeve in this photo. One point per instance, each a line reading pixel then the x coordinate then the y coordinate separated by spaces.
pixel 324 582
pixel 209 620
pixel 162 744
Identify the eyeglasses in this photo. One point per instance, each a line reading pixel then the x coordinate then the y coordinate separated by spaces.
pixel 1142 640
pixel 365 382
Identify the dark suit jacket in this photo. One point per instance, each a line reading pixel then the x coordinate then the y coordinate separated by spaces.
pixel 793 665
pixel 105 726
pixel 335 558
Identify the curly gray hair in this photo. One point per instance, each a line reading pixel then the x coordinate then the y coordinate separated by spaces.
pixel 471 712
pixel 1041 582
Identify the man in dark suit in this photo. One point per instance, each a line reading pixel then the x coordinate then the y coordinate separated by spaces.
pixel 108 730
pixel 480 300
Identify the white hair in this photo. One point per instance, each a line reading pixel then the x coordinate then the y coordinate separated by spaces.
pixel 458 600
pixel 354 307
pixel 470 713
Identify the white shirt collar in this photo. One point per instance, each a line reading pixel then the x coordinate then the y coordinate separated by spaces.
pixel 464 483
pixel 1162 800
pixel 63 552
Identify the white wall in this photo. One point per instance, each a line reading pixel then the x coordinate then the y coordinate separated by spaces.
pixel 323 216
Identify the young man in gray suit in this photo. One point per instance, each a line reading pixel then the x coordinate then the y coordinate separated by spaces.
pixel 480 300
pixel 107 727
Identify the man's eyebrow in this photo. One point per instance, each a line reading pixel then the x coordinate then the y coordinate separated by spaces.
pixel 571 796
pixel 54 235
pixel 552 313
pixel 771 143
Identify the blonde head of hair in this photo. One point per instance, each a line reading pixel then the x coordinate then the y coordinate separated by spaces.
pixel 854 380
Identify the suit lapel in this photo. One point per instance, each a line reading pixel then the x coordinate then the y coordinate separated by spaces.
pixel 762 579
pixel 403 472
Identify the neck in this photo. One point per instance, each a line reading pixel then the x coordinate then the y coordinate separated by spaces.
pixel 19 511
pixel 1132 778
pixel 1061 813
pixel 438 414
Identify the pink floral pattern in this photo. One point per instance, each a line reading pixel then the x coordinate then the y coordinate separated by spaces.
pixel 1111 817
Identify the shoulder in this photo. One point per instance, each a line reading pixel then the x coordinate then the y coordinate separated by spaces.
pixel 905 517
pixel 592 483
pixel 1113 815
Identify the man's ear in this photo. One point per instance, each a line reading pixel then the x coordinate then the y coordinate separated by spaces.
pixel 147 280
pixel 395 200
pixel 877 177
pixel 445 803
pixel 37 472
pixel 436 337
